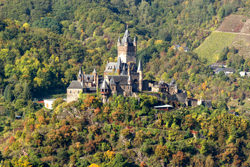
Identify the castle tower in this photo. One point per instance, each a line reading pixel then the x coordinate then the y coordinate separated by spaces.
pixel 95 76
pixel 80 75
pixel 126 48
pixel 140 71
pixel 104 91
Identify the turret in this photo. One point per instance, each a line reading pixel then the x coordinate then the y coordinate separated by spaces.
pixel 104 91
pixel 95 76
pixel 80 75
pixel 140 71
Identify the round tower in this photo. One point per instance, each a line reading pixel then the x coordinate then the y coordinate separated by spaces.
pixel 104 91
pixel 140 71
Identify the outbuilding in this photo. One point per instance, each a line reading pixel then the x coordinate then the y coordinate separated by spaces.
pixel 48 103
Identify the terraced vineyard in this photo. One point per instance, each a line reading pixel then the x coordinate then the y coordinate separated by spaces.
pixel 214 45
pixel 233 32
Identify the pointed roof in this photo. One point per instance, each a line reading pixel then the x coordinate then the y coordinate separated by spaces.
pixel 112 81
pixel 139 69
pixel 104 85
pixel 80 71
pixel 75 85
pixel 94 71
pixel 126 37
pixel 123 70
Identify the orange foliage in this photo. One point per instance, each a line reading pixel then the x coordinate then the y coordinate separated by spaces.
pixel 12 140
pixel 179 158
pixel 41 120
pixel 97 110
pixel 32 127
pixel 109 154
pixel 88 100
pixel 143 164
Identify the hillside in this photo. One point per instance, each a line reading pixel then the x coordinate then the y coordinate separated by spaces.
pixel 43 43
pixel 233 32
pixel 213 46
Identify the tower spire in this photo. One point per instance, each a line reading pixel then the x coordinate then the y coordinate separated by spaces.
pixel 139 69
pixel 80 75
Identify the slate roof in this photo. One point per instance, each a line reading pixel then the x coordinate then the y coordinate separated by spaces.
pixel 75 85
pixel 88 78
pixel 217 70
pixel 121 80
pixel 112 81
pixel 181 97
pixel 126 37
pixel 217 65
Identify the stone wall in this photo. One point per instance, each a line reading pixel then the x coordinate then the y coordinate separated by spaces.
pixel 73 94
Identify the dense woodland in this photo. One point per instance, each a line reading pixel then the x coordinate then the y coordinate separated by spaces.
pixel 44 42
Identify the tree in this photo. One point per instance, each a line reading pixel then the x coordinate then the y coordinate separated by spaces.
pixel 8 96
pixel 26 92
pixel 162 152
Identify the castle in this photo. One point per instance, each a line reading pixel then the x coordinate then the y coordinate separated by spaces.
pixel 123 77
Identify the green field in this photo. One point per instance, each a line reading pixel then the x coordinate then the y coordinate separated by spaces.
pixel 211 48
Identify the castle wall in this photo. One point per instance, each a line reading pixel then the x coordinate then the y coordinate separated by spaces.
pixel 73 94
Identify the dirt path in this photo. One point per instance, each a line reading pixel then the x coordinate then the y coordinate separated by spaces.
pixel 237 33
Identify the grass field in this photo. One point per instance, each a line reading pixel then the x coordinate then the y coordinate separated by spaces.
pixel 211 48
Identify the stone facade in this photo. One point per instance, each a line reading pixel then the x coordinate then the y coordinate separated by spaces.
pixel 73 91
pixel 127 48
pixel 122 77
pixel 170 88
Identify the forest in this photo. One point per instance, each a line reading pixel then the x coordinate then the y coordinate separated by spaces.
pixel 44 42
